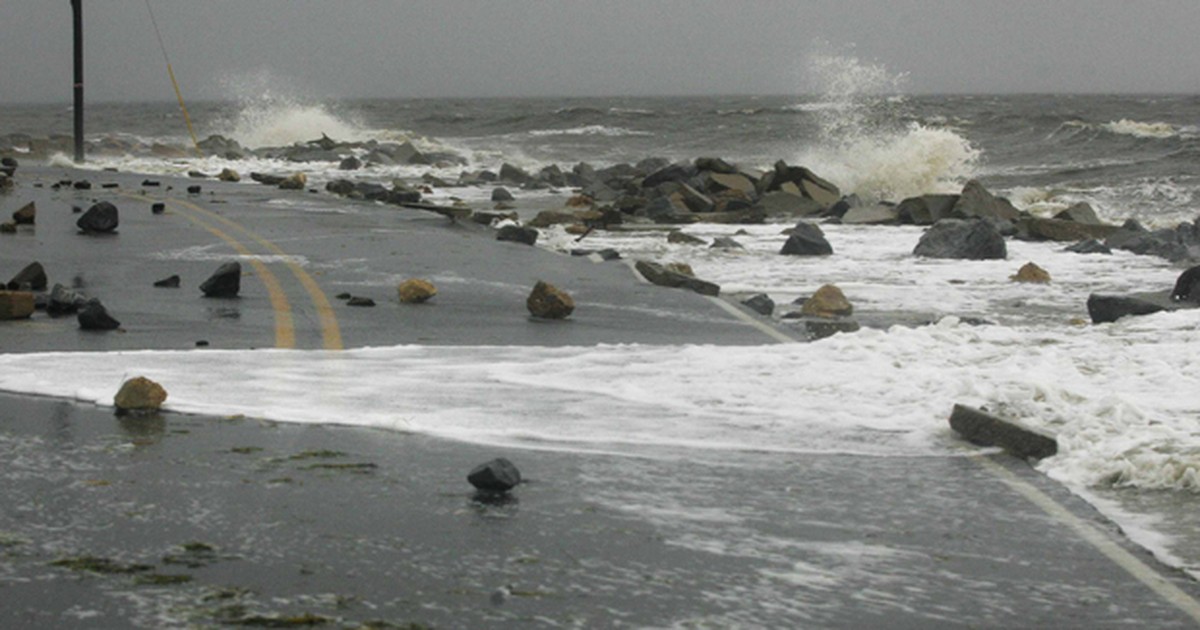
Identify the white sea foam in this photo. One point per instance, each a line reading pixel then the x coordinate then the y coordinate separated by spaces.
pixel 1127 127
pixel 590 130
pixel 865 149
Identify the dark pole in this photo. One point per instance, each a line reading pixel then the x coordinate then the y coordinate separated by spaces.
pixel 77 9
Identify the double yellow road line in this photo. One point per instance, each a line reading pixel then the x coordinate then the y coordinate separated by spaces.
pixel 285 329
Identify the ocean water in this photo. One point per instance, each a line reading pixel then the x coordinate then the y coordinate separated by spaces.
pixel 1121 397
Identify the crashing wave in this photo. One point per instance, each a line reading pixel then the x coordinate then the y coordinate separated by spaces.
pixel 1127 127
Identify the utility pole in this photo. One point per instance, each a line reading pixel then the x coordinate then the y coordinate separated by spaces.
pixel 77 9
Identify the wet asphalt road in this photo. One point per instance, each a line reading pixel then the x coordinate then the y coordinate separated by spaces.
pixel 206 522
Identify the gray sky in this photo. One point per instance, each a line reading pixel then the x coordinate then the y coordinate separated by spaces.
pixel 423 48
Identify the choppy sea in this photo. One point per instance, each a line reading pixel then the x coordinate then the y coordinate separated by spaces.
pixel 1123 397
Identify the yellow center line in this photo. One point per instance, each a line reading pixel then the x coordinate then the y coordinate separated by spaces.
pixel 285 330
pixel 331 335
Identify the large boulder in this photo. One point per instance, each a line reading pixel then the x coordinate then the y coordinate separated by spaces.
pixel 416 291
pixel 296 181
pixel 806 239
pixel 1031 273
pixel 229 175
pixel 780 203
pixel 976 202
pixel 828 302
pixel 225 282
pixel 16 305
pixel 926 209
pixel 63 301
pixel 678 237
pixel 985 429
pixel 101 218
pixel 660 275
pixel 93 316
pixel 803 181
pixel 498 475
pixel 31 278
pixel 1081 212
pixel 679 172
pixel 139 395
pixel 1089 246
pixel 973 239
pixel 669 211
pixel 1038 229
pixel 26 214
pixel 716 182
pixel 1187 286
pixel 760 303
pixel 549 302
pixel 878 214
pixel 1173 244
pixel 1109 308
pixel 517 234
pixel 514 174
pixel 715 165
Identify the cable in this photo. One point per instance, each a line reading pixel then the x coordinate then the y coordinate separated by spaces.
pixel 171 73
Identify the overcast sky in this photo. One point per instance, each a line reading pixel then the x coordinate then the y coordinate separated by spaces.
pixel 427 48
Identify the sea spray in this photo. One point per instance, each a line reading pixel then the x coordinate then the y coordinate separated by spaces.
pixel 865 145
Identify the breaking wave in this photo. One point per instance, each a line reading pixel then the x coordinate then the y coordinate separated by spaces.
pixel 1137 129
pixel 590 130
pixel 866 148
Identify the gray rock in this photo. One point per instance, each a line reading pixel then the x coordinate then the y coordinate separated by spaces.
pixel 498 475
pixel 666 210
pixel 683 238
pixel 926 209
pixel 267 179
pixel 785 204
pixel 225 282
pixel 517 234
pixel 878 214
pixel 726 242
pixel 983 429
pixel 976 202
pixel 341 187
pixel 517 175
pixel 679 172
pixel 31 278
pixel 715 165
pixel 761 304
pixel 1109 308
pixel 101 218
pixel 171 282
pixel 350 163
pixel 93 316
pixel 1034 228
pixel 63 301
pixel 26 214
pixel 661 276
pixel 1081 212
pixel 806 239
pixel 974 239
pixel 1187 286
pixel 502 194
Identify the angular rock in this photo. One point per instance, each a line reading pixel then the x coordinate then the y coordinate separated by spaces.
pixel 726 242
pixel 806 239
pixel 350 163
pixel 549 302
pixel 828 302
pixel 1109 308
pixel 168 283
pixel 662 276
pixel 517 234
pixel 296 181
pixel 229 175
pixel 716 182
pixel 973 239
pixel 683 238
pixel 802 181
pixel 8 227
pixel 93 316
pixel 1081 212
pixel 31 278
pixel 1035 228
pixel 715 165
pixel 158 208
pixel 976 202
pixel 1029 272
pixel 785 204
pixel 498 475
pixel 26 215
pixel 63 301
pixel 679 172
pixel 515 174
pixel 669 211
pixel 926 209
pixel 984 429
pixel 225 282
pixel 16 305
pixel 139 395
pixel 878 214
pixel 761 304
pixel 101 218
pixel 693 199
pixel 1187 286
pixel 416 291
